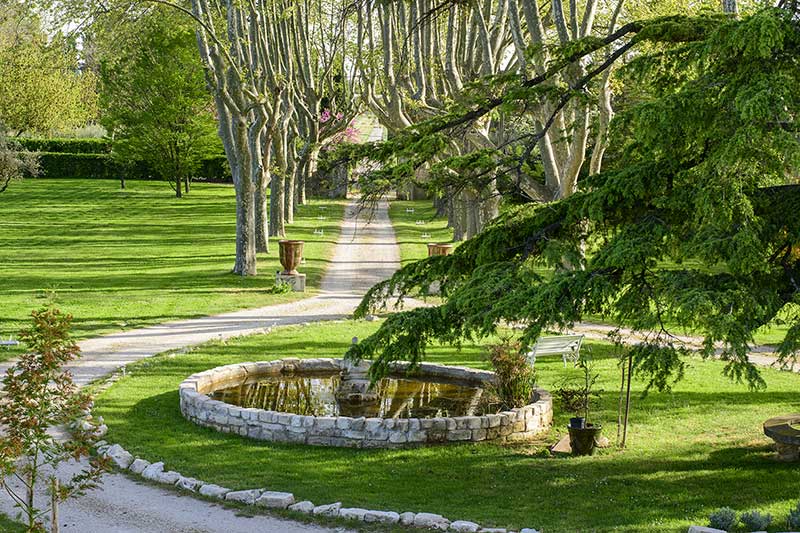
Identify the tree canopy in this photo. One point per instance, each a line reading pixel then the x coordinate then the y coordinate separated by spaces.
pixel 695 225
pixel 41 85
pixel 153 95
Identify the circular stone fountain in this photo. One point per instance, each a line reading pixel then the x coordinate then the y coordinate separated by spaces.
pixel 328 402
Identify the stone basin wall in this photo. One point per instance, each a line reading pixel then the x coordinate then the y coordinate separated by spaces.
pixel 518 424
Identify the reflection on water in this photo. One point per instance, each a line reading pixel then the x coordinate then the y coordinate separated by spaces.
pixel 397 397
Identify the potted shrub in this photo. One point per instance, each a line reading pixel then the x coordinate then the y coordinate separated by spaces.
pixel 577 397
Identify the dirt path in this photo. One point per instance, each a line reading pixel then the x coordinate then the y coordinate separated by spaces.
pixel 364 255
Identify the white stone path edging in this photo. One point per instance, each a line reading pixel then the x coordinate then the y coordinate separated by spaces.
pixel 269 499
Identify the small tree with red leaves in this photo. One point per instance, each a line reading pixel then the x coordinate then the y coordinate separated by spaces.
pixel 39 396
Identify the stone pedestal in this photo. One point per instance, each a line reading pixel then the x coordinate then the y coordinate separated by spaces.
pixel 297 281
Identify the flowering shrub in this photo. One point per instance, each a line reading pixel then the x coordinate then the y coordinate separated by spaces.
pixel 349 134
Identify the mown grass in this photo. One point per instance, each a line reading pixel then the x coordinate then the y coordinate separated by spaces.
pixel 121 259
pixel 413 246
pixel 690 451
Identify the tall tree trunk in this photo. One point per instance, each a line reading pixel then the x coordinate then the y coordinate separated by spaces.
pixel 289 197
pixel 186 181
pixel 178 186
pixel 262 216
pixel 309 172
pixel 245 230
pixel 459 217
pixel 277 188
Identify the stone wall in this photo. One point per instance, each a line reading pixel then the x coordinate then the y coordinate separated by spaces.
pixel 518 424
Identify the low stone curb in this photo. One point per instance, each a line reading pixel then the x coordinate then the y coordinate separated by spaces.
pixel 285 500
pixel 520 424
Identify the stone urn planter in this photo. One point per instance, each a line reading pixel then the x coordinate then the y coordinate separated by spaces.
pixel 291 252
pixel 438 248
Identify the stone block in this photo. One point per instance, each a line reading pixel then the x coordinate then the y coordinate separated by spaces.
pixel 275 500
pixel 464 526
pixel 407 518
pixel 418 436
pixel 493 530
pixel 352 513
pixel 431 521
pixel 119 456
pixel 214 491
pixel 189 483
pixel 243 496
pixel 703 529
pixel 459 434
pixel 297 281
pixel 479 434
pixel 528 530
pixel 397 438
pixel 331 509
pixel 306 507
pixel 386 517
pixel 153 471
pixel 168 478
pixel 138 466
pixel 325 425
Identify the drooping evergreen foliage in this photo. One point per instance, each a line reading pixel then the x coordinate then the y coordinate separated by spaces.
pixel 696 225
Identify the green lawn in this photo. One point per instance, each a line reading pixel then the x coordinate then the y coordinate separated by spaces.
pixel 691 451
pixel 413 245
pixel 120 259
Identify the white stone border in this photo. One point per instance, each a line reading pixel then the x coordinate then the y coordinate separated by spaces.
pixel 518 424
pixel 285 500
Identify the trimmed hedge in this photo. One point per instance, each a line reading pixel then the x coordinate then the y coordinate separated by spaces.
pixel 66 146
pixel 103 166
pixel 91 158
pixel 97 166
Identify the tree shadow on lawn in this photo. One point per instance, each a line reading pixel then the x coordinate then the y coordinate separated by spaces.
pixel 491 484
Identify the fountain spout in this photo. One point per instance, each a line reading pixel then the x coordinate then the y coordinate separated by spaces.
pixel 354 387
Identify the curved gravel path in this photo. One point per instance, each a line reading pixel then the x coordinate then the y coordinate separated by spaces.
pixel 364 255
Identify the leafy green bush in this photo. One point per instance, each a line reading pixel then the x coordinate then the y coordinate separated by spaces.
pixel 722 518
pixel 66 146
pixel 515 376
pixel 755 521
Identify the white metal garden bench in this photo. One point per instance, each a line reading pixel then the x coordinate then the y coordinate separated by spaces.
pixel 567 346
pixel 8 343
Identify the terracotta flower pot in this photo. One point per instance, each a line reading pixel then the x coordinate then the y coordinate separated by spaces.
pixel 291 252
pixel 439 248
